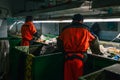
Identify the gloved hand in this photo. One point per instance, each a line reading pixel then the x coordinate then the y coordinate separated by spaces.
pixel 36 36
pixel 94 46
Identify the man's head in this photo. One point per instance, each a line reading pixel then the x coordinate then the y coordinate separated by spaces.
pixel 77 18
pixel 28 18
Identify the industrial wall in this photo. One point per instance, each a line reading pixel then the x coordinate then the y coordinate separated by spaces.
pixel 109 30
pixel 50 28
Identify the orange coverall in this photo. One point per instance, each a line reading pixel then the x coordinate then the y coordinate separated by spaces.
pixel 27 31
pixel 75 38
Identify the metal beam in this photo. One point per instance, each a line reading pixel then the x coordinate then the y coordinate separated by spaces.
pixel 51 9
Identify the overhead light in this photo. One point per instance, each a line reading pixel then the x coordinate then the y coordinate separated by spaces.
pixel 86 20
pixel 103 20
pixel 52 21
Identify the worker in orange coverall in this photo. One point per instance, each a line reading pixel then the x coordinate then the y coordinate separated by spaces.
pixel 28 31
pixel 74 41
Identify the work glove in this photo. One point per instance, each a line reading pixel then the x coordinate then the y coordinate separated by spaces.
pixel 94 46
pixel 36 36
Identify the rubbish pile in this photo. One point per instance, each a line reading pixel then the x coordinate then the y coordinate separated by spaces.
pixel 47 39
pixel 110 50
pixel 48 44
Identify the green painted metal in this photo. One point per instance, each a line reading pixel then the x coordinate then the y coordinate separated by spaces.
pixel 95 63
pixel 44 67
pixel 17 64
pixel 48 67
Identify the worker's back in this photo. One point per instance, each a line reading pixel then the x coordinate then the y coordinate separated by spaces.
pixel 76 38
pixel 27 30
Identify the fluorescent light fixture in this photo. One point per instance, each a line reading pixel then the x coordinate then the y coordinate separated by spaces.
pixel 86 20
pixel 103 20
pixel 53 21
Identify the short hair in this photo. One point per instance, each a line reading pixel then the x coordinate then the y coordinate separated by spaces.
pixel 29 18
pixel 77 17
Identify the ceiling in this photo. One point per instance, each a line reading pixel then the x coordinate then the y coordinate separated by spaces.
pixel 63 9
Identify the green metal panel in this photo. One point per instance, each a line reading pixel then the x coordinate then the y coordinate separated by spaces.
pixel 93 76
pixel 14 41
pixel 106 73
pixel 17 64
pixel 95 63
pixel 44 67
pixel 48 67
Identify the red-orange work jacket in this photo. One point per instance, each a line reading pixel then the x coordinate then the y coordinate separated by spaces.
pixel 76 38
pixel 27 31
